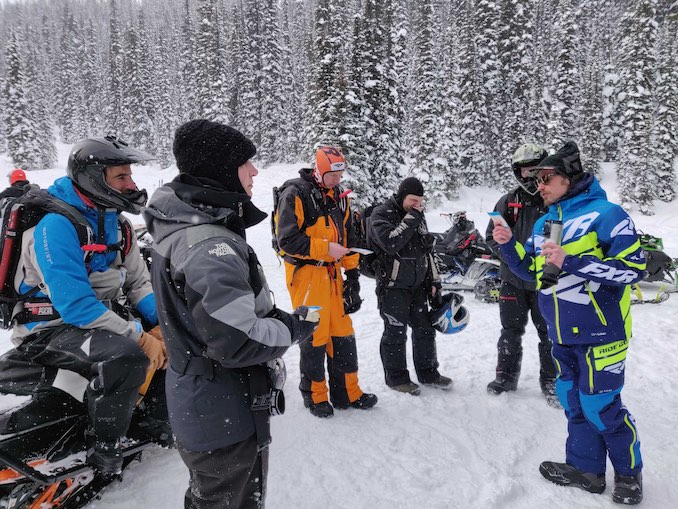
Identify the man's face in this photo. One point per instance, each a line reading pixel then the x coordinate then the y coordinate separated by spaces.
pixel 120 178
pixel 551 186
pixel 332 179
pixel 246 174
pixel 413 201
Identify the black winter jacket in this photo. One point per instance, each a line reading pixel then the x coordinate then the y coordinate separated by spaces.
pixel 521 211
pixel 403 245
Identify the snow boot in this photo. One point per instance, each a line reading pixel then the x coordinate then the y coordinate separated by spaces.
pixel 322 409
pixel 106 458
pixel 407 387
pixel 364 402
pixel 628 489
pixel 504 382
pixel 566 475
pixel 440 382
pixel 548 389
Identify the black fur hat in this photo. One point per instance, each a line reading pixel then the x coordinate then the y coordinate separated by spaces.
pixel 203 148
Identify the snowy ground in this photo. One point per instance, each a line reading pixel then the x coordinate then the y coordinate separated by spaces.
pixel 458 449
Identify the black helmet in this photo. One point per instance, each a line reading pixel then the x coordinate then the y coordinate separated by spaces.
pixel 527 155
pixel 451 317
pixel 86 164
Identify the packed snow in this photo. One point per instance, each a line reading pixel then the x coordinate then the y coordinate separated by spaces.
pixel 458 449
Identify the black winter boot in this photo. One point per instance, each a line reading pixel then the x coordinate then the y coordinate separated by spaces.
pixel 408 388
pixel 441 382
pixel 105 457
pixel 548 389
pixel 364 402
pixel 628 489
pixel 322 409
pixel 566 475
pixel 503 383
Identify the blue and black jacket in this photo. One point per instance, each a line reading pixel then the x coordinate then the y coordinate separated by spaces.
pixel 52 255
pixel 591 302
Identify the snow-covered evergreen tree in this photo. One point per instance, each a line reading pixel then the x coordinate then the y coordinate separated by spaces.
pixel 138 97
pixel 425 93
pixel 24 138
pixel 516 51
pixel 664 139
pixel 487 27
pixel 211 100
pixel 327 115
pixel 637 179
pixel 115 71
pixel 273 87
pixel 70 96
pixel 472 109
pixel 566 78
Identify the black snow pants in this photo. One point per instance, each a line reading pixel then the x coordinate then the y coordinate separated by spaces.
pixel 233 476
pixel 400 308
pixel 106 368
pixel 514 306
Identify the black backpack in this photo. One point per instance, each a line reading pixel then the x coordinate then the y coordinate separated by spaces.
pixel 312 199
pixel 24 212
pixel 369 265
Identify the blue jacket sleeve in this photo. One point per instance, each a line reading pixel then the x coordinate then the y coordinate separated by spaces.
pixel 519 258
pixel 623 260
pixel 61 261
pixel 146 307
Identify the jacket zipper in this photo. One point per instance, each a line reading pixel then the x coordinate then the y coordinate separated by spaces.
pixel 588 363
pixel 599 312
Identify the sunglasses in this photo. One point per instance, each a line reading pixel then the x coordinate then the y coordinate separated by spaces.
pixel 545 179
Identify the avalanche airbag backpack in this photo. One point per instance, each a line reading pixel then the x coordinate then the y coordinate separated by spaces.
pixel 20 214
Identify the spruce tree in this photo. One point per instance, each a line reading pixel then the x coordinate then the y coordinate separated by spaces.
pixel 23 136
pixel 637 180
pixel 664 139
pixel 566 90
pixel 426 119
pixel 327 103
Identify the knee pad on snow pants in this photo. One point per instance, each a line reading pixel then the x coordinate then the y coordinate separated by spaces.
pixel 113 390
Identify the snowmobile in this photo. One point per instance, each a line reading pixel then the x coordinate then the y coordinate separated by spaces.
pixel 145 243
pixel 43 447
pixel 661 273
pixel 465 261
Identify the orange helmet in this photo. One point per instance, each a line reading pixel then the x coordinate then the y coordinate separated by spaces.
pixel 17 175
pixel 327 159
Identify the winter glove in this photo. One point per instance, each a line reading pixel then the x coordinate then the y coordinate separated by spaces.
pixel 352 300
pixel 154 350
pixel 436 295
pixel 156 332
pixel 302 323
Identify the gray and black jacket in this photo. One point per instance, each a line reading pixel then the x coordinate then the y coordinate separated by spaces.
pixel 212 304
pixel 521 211
pixel 403 245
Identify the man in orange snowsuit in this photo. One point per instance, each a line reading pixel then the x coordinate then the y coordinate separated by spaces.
pixel 314 231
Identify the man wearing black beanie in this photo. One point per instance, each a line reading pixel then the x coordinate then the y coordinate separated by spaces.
pixel 406 279
pixel 223 333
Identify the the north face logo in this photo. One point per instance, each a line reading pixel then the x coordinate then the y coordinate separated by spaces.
pixel 221 249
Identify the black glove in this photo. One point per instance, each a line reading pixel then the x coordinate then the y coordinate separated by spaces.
pixel 352 300
pixel 301 323
pixel 436 297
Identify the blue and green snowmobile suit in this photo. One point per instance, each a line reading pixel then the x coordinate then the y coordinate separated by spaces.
pixel 589 321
